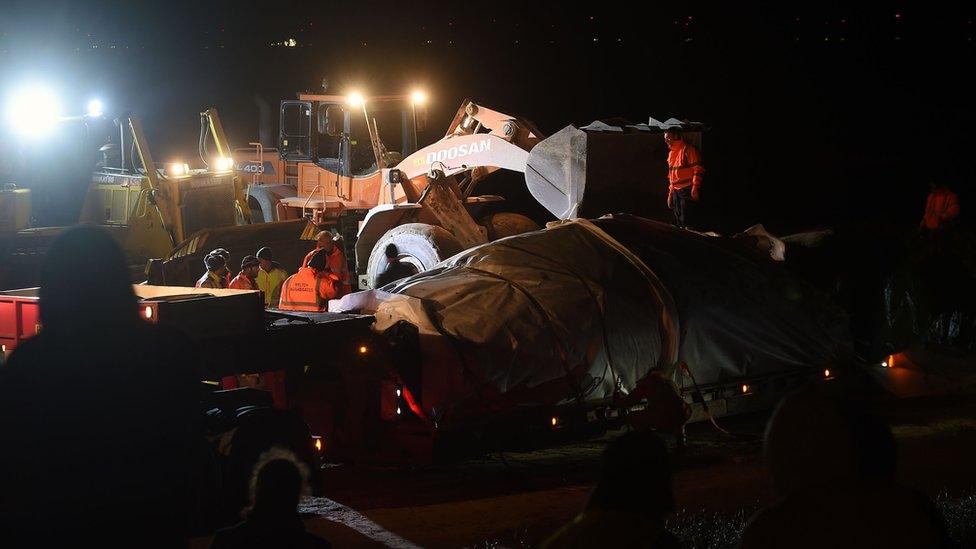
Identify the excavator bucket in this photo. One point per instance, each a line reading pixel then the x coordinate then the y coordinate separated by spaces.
pixel 601 169
pixel 289 240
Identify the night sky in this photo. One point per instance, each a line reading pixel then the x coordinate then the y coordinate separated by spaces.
pixel 817 116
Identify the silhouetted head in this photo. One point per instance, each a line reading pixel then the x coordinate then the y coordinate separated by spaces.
pixel 215 263
pixel 636 476
pixel 278 482
pixel 392 252
pixel 324 241
pixel 814 441
pixel 249 266
pixel 266 258
pixel 85 284
pixel 672 134
pixel 318 260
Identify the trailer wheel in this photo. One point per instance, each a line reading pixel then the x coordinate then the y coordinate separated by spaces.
pixel 504 224
pixel 421 246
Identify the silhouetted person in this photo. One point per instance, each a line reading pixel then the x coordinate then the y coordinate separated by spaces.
pixel 272 520
pixel 630 502
pixel 216 274
pixel 98 413
pixel 833 467
pixel 395 270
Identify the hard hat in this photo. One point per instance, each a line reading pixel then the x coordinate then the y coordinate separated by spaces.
pixel 265 253
pixel 249 261
pixel 214 262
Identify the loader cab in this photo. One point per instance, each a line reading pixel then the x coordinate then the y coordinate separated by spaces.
pixel 328 131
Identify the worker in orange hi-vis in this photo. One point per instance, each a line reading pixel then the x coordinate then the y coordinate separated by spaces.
pixel 941 208
pixel 247 279
pixel 685 171
pixel 336 261
pixel 311 288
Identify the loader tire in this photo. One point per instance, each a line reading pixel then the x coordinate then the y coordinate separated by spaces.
pixel 421 246
pixel 504 224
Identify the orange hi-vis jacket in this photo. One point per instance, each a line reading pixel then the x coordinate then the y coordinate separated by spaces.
pixel 307 290
pixel 941 207
pixel 684 166
pixel 336 262
pixel 242 282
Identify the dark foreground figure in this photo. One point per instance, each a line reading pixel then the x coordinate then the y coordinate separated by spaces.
pixel 272 519
pixel 98 413
pixel 630 502
pixel 833 467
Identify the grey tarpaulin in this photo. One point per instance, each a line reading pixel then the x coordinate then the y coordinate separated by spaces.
pixel 742 315
pixel 560 315
pixel 566 313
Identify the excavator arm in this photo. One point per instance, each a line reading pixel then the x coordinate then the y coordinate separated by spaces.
pixel 224 150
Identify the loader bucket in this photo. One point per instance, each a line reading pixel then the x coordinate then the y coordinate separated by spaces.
pixel 577 173
pixel 289 240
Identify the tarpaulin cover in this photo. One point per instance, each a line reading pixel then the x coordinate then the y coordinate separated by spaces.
pixel 742 315
pixel 594 304
pixel 563 314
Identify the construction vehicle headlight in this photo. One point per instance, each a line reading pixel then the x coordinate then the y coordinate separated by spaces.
pixel 363 349
pixel 177 169
pixel 148 312
pixel 95 108
pixel 318 444
pixel 33 111
pixel 355 99
pixel 224 163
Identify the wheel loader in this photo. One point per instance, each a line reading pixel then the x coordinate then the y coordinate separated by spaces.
pixel 152 210
pixel 425 201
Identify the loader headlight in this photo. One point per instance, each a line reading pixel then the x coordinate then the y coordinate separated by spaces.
pixel 224 163
pixel 95 108
pixel 178 169
pixel 355 99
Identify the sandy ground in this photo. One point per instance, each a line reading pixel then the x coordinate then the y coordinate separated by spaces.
pixel 486 503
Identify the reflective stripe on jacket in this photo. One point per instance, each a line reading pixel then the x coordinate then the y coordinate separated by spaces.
pixel 270 284
pixel 306 291
pixel 210 280
pixel 684 166
pixel 941 207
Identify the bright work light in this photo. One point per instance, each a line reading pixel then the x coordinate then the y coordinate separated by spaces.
pixel 355 99
pixel 33 111
pixel 224 163
pixel 95 108
pixel 418 97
